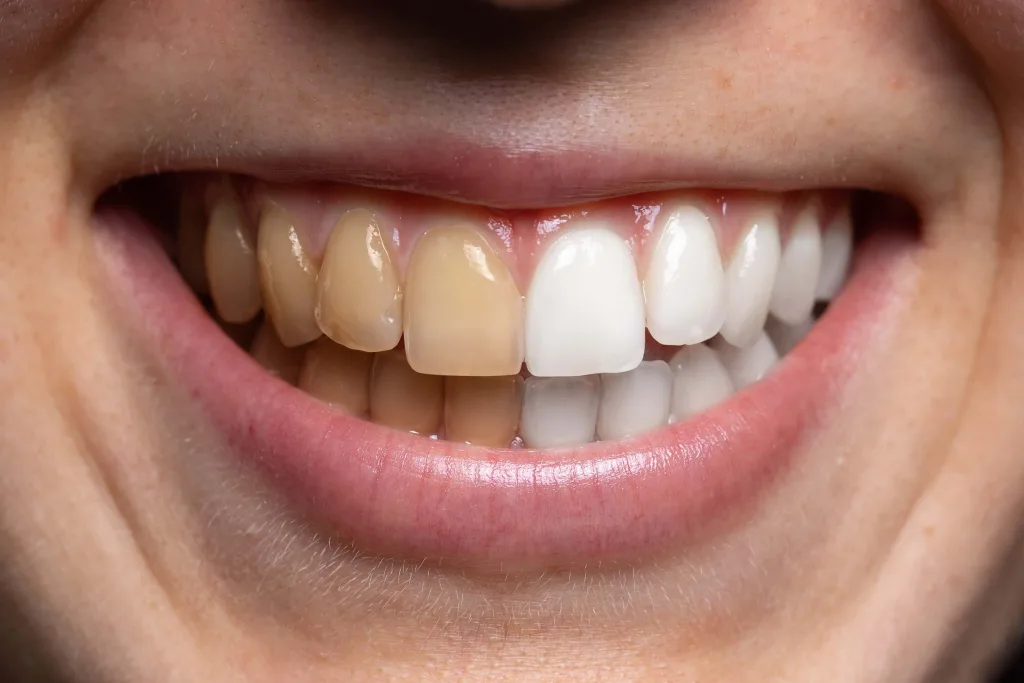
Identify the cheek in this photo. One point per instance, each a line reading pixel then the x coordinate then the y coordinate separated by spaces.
pixel 33 30
pixel 995 30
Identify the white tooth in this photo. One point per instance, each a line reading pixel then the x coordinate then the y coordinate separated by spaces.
pixel 746 366
pixel 793 296
pixel 685 282
pixel 559 411
pixel 700 381
pixel 635 402
pixel 786 336
pixel 749 281
pixel 836 250
pixel 585 308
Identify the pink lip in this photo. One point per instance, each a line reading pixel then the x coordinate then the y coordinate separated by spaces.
pixel 406 496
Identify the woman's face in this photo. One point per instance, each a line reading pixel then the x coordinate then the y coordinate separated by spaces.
pixel 493 185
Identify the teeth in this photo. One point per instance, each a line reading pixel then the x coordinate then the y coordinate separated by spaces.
pixel 785 337
pixel 635 402
pixel 585 308
pixel 338 376
pixel 463 311
pixel 191 239
pixel 793 296
pixel 359 299
pixel 836 250
pixel 231 264
pixel 403 399
pixel 750 277
pixel 560 411
pixel 483 411
pixel 700 381
pixel 278 359
pixel 685 283
pixel 288 277
pixel 751 364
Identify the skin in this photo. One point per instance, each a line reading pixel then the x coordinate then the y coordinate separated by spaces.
pixel 132 548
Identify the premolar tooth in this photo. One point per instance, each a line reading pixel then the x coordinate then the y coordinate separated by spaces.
pixel 359 299
pixel 338 376
pixel 231 266
pixel 288 276
pixel 785 336
pixel 749 281
pixel 635 402
pixel 836 251
pixel 685 283
pixel 560 411
pixel 278 359
pixel 700 381
pixel 585 307
pixel 191 242
pixel 751 364
pixel 483 411
pixel 799 270
pixel 404 399
pixel 463 311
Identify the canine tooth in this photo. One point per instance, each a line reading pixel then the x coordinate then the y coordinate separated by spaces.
pixel 635 402
pixel 231 265
pixel 749 280
pixel 338 376
pixel 751 364
pixel 560 411
pixel 404 399
pixel 785 336
pixel 799 269
pixel 463 311
pixel 483 411
pixel 191 242
pixel 836 252
pixel 585 307
pixel 685 283
pixel 275 357
pixel 288 276
pixel 699 381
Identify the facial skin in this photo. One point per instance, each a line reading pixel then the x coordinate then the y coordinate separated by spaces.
pixel 135 549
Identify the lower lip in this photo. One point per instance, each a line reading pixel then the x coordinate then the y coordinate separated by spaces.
pixel 404 496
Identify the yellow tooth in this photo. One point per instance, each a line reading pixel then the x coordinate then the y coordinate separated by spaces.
pixel 337 376
pixel 463 311
pixel 403 399
pixel 359 300
pixel 288 276
pixel 231 266
pixel 191 237
pixel 278 359
pixel 483 411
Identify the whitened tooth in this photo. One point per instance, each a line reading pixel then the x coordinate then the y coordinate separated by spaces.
pixel 748 365
pixel 685 282
pixel 699 381
pixel 786 336
pixel 836 251
pixel 635 402
pixel 799 269
pixel 585 307
pixel 559 411
pixel 749 281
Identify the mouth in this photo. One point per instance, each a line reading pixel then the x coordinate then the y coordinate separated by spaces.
pixel 514 389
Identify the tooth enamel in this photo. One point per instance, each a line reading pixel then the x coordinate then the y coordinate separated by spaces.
pixel 288 277
pixel 700 381
pixel 635 402
pixel 275 357
pixel 191 242
pixel 784 336
pixel 463 311
pixel 685 283
pixel 748 365
pixel 403 399
pixel 836 251
pixel 799 269
pixel 559 411
pixel 231 263
pixel 338 376
pixel 585 307
pixel 749 281
pixel 359 300
pixel 483 411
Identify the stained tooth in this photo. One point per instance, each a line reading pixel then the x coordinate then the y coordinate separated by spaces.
pixel 836 251
pixel 404 399
pixel 338 376
pixel 463 311
pixel 483 411
pixel 749 280
pixel 700 381
pixel 288 276
pixel 359 299
pixel 585 307
pixel 748 365
pixel 191 242
pixel 685 283
pixel 635 402
pixel 799 269
pixel 278 359
pixel 560 411
pixel 231 263
pixel 784 336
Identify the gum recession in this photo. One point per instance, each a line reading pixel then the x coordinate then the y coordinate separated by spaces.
pixel 405 496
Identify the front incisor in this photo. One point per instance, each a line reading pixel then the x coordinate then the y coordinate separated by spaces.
pixel 483 411
pixel 288 276
pixel 463 311
pixel 403 399
pixel 337 376
pixel 231 266
pixel 278 359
